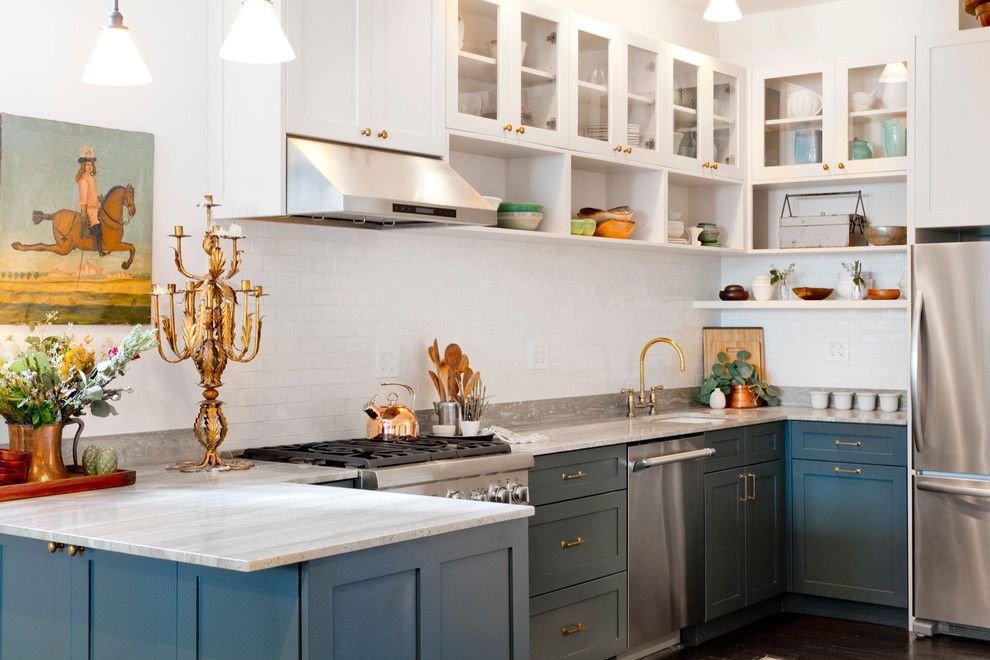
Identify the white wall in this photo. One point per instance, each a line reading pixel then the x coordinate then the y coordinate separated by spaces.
pixel 44 46
pixel 832 30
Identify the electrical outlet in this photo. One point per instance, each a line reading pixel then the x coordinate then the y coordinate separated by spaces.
pixel 837 351
pixel 386 362
pixel 539 354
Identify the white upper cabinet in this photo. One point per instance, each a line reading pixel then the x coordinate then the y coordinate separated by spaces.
pixel 688 103
pixel 794 121
pixel 596 82
pixel 642 107
pixel 953 94
pixel 367 72
pixel 723 121
pixel 505 70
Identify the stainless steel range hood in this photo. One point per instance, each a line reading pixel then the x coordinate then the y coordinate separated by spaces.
pixel 341 183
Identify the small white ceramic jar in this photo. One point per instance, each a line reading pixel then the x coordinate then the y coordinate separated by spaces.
pixel 866 401
pixel 842 400
pixel 890 402
pixel 717 400
pixel 819 400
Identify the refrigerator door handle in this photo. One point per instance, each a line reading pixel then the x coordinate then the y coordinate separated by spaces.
pixel 953 490
pixel 919 303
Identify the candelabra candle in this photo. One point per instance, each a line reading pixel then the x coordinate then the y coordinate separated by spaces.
pixel 207 333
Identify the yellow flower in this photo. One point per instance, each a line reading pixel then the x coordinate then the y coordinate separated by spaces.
pixel 77 359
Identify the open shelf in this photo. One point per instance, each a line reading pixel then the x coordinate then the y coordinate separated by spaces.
pixel 801 305
pixel 474 66
pixel 856 249
pixel 531 76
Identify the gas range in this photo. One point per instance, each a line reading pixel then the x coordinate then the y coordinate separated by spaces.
pixel 459 468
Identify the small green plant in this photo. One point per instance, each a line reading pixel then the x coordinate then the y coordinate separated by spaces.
pixel 856 270
pixel 778 275
pixel 727 372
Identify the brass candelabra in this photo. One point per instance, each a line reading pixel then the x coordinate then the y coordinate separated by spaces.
pixel 207 331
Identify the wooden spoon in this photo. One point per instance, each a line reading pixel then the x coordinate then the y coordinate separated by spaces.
pixel 472 383
pixel 452 356
pixel 453 386
pixel 464 364
pixel 438 386
pixel 444 375
pixel 434 353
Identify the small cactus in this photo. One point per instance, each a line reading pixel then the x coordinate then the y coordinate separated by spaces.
pixel 106 460
pixel 89 459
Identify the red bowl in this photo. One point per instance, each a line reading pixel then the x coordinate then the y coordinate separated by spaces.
pixel 11 475
pixel 14 455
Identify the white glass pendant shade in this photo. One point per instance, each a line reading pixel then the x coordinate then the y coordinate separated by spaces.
pixel 895 72
pixel 115 61
pixel 256 37
pixel 722 11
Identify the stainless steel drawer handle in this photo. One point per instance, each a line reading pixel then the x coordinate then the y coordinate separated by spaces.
pixel 839 470
pixel 573 544
pixel 572 630
pixel 845 443
pixel 580 474
pixel 954 490
pixel 694 454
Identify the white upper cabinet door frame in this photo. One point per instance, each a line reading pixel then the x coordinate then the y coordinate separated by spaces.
pixel 842 110
pixel 407 75
pixel 328 93
pixel 952 94
pixel 735 171
pixel 700 112
pixel 614 85
pixel 557 136
pixel 763 172
pixel 658 80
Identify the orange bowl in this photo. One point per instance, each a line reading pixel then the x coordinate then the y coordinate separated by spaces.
pixel 883 294
pixel 810 293
pixel 615 228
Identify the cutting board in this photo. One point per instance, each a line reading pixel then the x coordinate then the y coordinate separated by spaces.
pixel 731 341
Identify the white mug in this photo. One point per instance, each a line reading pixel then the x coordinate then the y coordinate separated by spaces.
pixel 842 400
pixel 819 400
pixel 866 401
pixel 890 402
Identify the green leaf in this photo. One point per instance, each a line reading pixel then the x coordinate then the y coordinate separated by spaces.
pixel 743 355
pixel 744 369
pixel 722 358
pixel 102 409
pixel 774 391
pixel 738 381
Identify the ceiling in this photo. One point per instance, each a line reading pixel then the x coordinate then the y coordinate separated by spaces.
pixel 756 6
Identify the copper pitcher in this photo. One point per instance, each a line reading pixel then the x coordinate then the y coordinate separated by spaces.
pixel 45 445
pixel 742 396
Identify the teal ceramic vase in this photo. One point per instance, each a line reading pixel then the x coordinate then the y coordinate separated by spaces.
pixel 895 137
pixel 860 149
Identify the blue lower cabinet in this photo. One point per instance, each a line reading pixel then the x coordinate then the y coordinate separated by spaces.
pixel 585 622
pixel 455 596
pixel 850 531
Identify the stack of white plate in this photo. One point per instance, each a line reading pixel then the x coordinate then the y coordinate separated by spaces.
pixel 632 135
pixel 675 232
pixel 597 132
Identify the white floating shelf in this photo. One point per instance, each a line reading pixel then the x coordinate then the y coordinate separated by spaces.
pixel 801 305
pixel 531 76
pixel 880 112
pixel 685 110
pixel 830 250
pixel 795 120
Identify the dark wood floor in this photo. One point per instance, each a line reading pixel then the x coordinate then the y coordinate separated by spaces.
pixel 797 636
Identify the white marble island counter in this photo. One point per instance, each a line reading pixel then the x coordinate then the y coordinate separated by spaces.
pixel 239 521
pixel 598 432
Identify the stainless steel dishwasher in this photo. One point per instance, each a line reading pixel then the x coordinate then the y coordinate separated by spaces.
pixel 666 537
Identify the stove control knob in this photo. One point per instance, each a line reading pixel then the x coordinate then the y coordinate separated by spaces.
pixel 499 493
pixel 479 495
pixel 520 494
pixel 455 495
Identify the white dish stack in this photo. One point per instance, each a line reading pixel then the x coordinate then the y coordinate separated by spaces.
pixel 632 135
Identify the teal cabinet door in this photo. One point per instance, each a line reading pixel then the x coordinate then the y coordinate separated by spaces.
pixel 764 442
pixel 34 600
pixel 725 543
pixel 766 573
pixel 850 531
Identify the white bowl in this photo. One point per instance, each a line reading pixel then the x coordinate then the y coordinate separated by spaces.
pixel 819 400
pixel 470 429
pixel 764 292
pixel 444 430
pixel 804 103
pixel 890 402
pixel 866 401
pixel 842 400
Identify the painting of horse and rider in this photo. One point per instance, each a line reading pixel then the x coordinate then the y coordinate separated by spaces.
pixel 75 222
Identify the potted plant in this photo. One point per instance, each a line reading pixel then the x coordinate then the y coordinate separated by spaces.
pixel 50 379
pixel 782 276
pixel 740 381
pixel 853 285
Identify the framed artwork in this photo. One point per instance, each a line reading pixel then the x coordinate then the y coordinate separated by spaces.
pixel 75 222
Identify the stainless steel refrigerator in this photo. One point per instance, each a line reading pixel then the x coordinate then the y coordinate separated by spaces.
pixel 950 390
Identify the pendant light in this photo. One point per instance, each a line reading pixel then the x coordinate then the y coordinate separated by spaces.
pixel 256 36
pixel 722 11
pixel 115 61
pixel 895 72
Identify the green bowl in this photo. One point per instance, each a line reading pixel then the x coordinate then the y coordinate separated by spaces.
pixel 519 207
pixel 583 226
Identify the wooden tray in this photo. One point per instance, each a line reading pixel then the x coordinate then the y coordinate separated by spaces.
pixel 77 482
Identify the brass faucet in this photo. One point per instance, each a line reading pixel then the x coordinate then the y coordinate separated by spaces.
pixel 630 394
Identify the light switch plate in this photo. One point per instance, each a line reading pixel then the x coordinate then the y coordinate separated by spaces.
pixel 837 351
pixel 539 354
pixel 386 362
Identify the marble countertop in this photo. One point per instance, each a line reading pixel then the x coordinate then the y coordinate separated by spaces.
pixel 597 432
pixel 243 521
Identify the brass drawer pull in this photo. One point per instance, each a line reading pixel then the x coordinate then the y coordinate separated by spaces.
pixel 573 630
pixel 752 497
pixel 839 470
pixel 580 474
pixel 745 497
pixel 571 544
pixel 54 547
pixel 76 550
pixel 844 443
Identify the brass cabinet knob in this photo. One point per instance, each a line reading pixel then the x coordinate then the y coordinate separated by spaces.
pixel 383 134
pixel 714 166
pixel 825 166
pixel 507 127
pixel 366 132
pixel 627 150
pixel 76 550
pixel 618 148
pixel 54 547
pixel 841 166
pixel 706 164
pixel 521 130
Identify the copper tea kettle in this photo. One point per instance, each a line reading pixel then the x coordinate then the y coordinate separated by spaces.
pixel 393 420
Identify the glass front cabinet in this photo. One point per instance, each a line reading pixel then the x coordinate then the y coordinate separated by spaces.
pixel 642 106
pixel 505 67
pixel 595 80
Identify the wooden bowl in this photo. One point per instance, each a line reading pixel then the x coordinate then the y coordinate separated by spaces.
pixel 7 455
pixel 12 475
pixel 888 235
pixel 733 292
pixel 811 293
pixel 615 228
pixel 883 294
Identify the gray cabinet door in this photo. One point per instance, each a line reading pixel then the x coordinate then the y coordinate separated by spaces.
pixel 850 536
pixel 729 446
pixel 764 442
pixel 765 557
pixel 725 535
pixel 35 605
